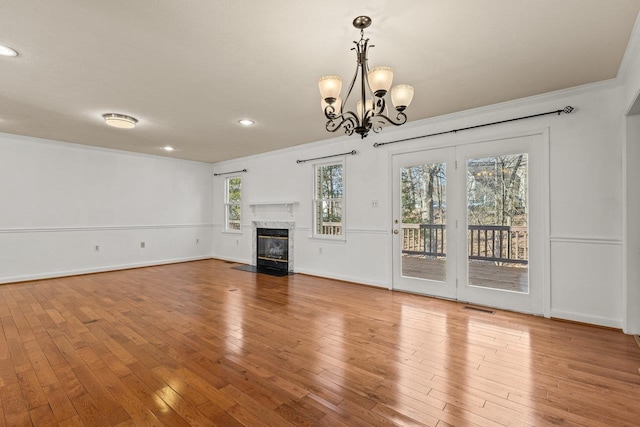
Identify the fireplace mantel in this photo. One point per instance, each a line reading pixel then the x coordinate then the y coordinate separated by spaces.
pixel 288 205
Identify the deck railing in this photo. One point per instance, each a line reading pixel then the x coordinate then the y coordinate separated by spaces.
pixel 332 228
pixel 424 239
pixel 498 243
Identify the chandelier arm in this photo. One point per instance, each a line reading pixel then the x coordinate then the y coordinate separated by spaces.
pixel 330 112
pixel 401 118
pixel 379 106
pixel 355 76
pixel 377 126
pixel 348 120
pixel 366 67
pixel 347 115
pixel 370 114
pixel 362 64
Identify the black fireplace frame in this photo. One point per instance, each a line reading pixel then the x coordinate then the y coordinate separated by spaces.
pixel 277 256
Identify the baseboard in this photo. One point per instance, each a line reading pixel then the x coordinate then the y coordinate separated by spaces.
pixel 56 274
pixel 342 277
pixel 583 318
pixel 315 273
pixel 575 322
pixel 232 259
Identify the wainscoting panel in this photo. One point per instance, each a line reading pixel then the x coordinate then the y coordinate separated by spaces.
pixel 36 253
pixel 585 280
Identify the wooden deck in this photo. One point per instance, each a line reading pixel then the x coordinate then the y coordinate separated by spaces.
pixel 481 273
pixel 202 344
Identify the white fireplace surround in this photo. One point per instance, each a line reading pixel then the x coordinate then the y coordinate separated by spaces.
pixel 286 225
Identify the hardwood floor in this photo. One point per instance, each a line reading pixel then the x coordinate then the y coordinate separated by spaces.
pixel 202 344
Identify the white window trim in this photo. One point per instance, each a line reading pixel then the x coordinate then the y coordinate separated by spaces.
pixel 315 200
pixel 227 204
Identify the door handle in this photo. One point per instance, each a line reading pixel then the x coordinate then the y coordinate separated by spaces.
pixel 395 231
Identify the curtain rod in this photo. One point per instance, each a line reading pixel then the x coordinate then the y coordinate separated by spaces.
pixel 565 110
pixel 228 173
pixel 352 153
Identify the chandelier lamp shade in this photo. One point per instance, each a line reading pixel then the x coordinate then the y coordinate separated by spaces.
pixel 375 84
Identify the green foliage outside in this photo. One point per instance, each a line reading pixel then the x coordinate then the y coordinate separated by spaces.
pixel 329 193
pixel 234 198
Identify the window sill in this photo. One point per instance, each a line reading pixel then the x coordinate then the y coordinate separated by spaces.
pixel 231 231
pixel 328 238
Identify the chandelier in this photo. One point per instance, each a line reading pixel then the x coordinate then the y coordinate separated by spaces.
pixel 371 109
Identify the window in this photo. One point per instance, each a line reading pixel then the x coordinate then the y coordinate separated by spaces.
pixel 328 218
pixel 233 203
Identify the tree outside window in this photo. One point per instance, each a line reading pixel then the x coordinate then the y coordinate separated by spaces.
pixel 233 203
pixel 328 202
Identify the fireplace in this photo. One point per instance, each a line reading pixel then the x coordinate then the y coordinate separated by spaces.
pixel 281 238
pixel 272 249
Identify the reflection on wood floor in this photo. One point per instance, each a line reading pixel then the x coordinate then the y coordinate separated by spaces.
pixel 200 343
pixel 481 273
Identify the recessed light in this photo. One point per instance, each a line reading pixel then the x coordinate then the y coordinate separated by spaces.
pixel 168 148
pixel 120 120
pixel 246 122
pixel 7 51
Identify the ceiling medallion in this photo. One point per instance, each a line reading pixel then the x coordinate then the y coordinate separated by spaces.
pixel 374 85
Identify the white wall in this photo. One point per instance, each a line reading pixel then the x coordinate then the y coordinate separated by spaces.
pixel 585 200
pixel 58 201
pixel 632 245
pixel 629 76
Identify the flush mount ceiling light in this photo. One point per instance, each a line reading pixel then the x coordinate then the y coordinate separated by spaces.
pixel 374 85
pixel 120 120
pixel 246 122
pixel 7 51
pixel 168 148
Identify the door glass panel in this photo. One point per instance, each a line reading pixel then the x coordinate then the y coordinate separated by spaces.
pixel 423 221
pixel 497 214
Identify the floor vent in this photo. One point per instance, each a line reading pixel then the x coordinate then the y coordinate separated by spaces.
pixel 484 310
pixel 86 322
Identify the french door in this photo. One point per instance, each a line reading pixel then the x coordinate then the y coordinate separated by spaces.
pixel 424 243
pixel 468 223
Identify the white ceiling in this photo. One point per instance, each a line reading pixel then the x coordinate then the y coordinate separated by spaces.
pixel 189 70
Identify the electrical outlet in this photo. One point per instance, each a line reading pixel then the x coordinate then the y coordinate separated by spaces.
pixel 374 204
pixel 142 245
pixel 197 241
pixel 320 249
pixel 96 248
pixel 237 242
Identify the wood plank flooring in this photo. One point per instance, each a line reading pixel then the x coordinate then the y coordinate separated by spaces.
pixel 202 344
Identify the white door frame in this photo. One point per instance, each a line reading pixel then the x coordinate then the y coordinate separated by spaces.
pixel 442 289
pixel 544 307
